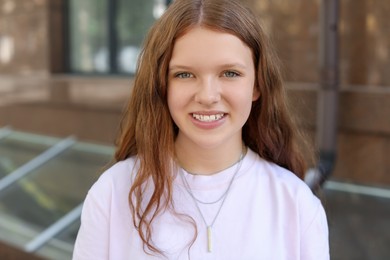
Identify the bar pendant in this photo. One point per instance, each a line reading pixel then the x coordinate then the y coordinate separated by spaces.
pixel 209 246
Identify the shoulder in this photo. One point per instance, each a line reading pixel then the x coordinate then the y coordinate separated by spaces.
pixel 105 209
pixel 296 202
pixel 120 171
pixel 284 181
pixel 289 192
pixel 108 193
pixel 116 179
pixel 285 189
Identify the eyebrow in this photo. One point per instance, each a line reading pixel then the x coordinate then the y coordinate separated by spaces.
pixel 182 67
pixel 223 66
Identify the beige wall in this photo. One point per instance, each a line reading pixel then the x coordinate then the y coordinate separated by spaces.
pixel 363 140
pixel 364 38
pixel 23 37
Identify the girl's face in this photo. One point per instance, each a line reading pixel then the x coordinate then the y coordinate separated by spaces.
pixel 211 87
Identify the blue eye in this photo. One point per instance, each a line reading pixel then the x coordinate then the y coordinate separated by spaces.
pixel 183 75
pixel 230 74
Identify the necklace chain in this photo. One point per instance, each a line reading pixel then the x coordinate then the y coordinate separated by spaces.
pixel 188 188
pixel 223 198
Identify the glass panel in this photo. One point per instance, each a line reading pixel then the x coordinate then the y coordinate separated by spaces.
pixel 49 192
pixel 61 247
pixel 133 21
pixel 88 35
pixel 19 148
pixel 358 225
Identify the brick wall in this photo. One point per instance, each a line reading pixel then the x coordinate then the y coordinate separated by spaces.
pixel 23 37
pixel 364 38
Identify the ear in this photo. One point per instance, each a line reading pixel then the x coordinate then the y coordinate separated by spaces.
pixel 256 94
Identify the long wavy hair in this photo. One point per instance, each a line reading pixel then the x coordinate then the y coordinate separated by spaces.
pixel 147 130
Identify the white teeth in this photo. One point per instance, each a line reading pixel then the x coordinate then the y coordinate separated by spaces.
pixel 207 118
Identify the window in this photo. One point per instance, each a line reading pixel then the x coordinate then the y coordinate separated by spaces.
pixel 105 35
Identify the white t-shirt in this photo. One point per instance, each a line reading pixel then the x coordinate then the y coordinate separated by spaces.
pixel 268 214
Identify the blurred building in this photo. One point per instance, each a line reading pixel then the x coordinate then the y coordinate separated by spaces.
pixel 66 69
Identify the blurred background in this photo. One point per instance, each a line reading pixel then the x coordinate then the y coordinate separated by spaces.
pixel 66 71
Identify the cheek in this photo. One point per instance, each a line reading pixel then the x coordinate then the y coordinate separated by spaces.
pixel 174 100
pixel 255 94
pixel 243 100
pixel 178 95
pixel 170 100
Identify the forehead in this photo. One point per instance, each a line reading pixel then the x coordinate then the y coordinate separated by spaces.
pixel 207 45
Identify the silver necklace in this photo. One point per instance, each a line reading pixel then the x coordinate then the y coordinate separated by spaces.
pixel 223 198
pixel 188 188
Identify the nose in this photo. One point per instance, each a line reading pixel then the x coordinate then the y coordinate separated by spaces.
pixel 208 92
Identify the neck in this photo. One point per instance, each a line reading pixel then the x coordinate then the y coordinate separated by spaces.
pixel 207 161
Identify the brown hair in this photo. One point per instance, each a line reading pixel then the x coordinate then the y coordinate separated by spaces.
pixel 148 130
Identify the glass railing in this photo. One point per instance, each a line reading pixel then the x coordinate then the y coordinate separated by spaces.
pixel 18 148
pixel 43 183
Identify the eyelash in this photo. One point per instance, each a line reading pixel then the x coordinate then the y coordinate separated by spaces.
pixel 183 75
pixel 228 74
pixel 233 74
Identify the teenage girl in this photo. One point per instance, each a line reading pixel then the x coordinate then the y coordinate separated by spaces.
pixel 208 165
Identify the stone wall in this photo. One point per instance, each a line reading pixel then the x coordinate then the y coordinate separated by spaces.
pixel 363 139
pixel 364 38
pixel 24 37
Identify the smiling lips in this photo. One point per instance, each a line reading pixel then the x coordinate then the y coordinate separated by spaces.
pixel 208 118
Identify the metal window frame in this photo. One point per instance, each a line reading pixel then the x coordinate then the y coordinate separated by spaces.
pixel 38 161
pixel 55 150
pixel 52 231
pixel 112 39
